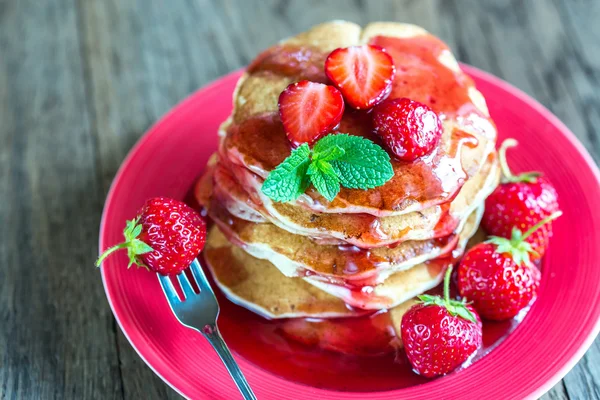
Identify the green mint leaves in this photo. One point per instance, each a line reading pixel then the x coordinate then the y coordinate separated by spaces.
pixel 361 165
pixel 335 160
pixel 289 180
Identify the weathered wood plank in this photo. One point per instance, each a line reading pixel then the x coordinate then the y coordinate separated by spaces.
pixel 57 338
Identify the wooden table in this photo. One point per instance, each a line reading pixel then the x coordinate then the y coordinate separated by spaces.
pixel 81 81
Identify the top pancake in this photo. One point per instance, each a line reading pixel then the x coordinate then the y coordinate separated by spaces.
pixel 426 71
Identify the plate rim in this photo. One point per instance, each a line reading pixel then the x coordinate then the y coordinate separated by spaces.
pixel 550 382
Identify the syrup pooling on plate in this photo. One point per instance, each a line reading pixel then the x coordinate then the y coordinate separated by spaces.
pixel 259 143
pixel 307 350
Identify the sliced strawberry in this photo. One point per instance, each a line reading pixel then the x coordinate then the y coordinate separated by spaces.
pixel 309 110
pixel 363 74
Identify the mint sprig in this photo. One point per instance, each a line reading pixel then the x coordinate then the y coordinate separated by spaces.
pixel 335 160
pixel 362 165
pixel 324 179
pixel 289 179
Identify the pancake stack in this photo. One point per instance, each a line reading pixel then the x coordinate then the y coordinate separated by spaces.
pixel 366 250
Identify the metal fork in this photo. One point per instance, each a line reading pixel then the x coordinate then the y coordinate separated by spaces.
pixel 200 311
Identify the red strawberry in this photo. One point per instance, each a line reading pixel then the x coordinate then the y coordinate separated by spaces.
pixel 521 202
pixel 364 74
pixel 310 110
pixel 498 276
pixel 438 334
pixel 408 128
pixel 165 236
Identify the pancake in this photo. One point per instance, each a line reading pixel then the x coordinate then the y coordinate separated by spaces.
pixel 400 286
pixel 259 286
pixel 253 138
pixel 361 230
pixel 296 255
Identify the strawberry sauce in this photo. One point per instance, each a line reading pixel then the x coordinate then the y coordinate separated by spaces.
pixel 292 61
pixel 344 354
pixel 430 180
pixel 345 265
pixel 350 354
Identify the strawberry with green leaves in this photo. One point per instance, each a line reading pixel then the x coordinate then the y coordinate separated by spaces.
pixel 521 201
pixel 440 334
pixel 165 237
pixel 334 161
pixel 498 277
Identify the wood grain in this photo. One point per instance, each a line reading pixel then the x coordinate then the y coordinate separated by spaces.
pixel 80 81
pixel 57 334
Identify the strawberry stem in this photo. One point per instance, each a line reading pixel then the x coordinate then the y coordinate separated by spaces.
pixel 447 285
pixel 502 155
pixel 111 250
pixel 537 226
pixel 529 177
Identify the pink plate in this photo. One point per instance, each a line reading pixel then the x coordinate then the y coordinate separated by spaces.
pixel 555 334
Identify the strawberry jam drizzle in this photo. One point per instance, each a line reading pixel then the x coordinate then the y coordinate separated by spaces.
pixel 292 61
pixel 362 229
pixel 365 228
pixel 344 354
pixel 433 179
pixel 349 266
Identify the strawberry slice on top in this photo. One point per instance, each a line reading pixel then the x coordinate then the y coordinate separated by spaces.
pixel 310 110
pixel 364 74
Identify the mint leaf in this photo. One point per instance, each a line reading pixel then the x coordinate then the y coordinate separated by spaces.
pixel 350 161
pixel 329 154
pixel 363 165
pixel 324 179
pixel 289 180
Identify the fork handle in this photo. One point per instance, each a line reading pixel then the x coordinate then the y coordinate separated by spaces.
pixel 212 334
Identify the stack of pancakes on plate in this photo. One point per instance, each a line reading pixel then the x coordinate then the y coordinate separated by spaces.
pixel 367 249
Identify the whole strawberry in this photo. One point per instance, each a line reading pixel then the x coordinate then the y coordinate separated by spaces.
pixel 440 334
pixel 498 277
pixel 408 128
pixel 521 201
pixel 165 237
